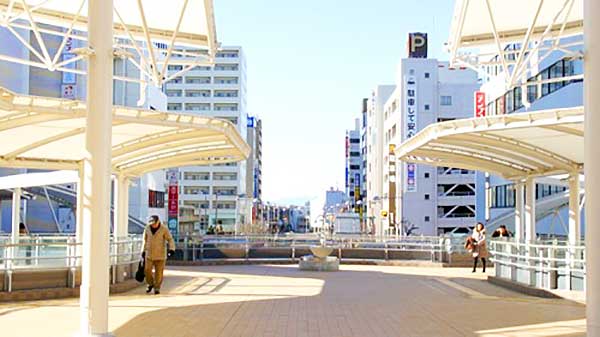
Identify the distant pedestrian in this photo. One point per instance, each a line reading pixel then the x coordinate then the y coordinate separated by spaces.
pixel 26 241
pixel 502 232
pixel 480 247
pixel 156 237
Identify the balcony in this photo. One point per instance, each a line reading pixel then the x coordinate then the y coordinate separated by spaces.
pixel 456 222
pixel 456 178
pixel 456 199
pixel 194 182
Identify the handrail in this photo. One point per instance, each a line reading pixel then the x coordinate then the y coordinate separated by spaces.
pixel 541 263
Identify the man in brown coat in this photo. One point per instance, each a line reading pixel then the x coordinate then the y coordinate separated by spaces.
pixel 154 252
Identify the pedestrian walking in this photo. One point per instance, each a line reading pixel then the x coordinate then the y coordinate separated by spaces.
pixel 155 254
pixel 502 232
pixel 25 242
pixel 480 246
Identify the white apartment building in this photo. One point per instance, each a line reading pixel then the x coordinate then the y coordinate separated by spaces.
pixel 353 166
pixel 254 166
pixel 212 195
pixel 430 200
pixel 363 159
pixel 374 148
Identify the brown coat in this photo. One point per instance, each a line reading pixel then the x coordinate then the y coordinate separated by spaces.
pixel 155 244
pixel 481 244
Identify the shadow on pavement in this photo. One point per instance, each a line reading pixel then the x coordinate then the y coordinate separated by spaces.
pixel 282 301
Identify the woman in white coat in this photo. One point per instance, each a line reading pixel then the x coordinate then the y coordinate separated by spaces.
pixel 480 250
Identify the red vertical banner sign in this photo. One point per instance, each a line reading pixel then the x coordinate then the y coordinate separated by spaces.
pixel 173 207
pixel 480 104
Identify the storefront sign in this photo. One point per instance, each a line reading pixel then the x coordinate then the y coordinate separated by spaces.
pixel 411 177
pixel 173 206
pixel 480 104
pixel 411 129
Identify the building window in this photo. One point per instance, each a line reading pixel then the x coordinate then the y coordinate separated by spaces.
pixel 446 100
pixel 426 106
pixel 426 175
pixel 427 197
pixel 427 218
pixel 411 71
pixel 426 75
pixel 156 199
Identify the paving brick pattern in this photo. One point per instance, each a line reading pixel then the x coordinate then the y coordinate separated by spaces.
pixel 281 301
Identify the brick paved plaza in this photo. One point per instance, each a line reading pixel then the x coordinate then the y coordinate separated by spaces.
pixel 280 301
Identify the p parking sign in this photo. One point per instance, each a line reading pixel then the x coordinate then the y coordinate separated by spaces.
pixel 417 45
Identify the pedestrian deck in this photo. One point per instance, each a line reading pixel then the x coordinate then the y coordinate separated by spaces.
pixel 281 301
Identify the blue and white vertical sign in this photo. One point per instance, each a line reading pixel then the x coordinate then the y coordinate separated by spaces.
pixel 410 129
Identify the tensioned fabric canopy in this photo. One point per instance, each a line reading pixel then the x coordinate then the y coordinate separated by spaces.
pixel 471 24
pixel 514 146
pixel 194 24
pixel 49 133
pixel 524 32
pixel 148 33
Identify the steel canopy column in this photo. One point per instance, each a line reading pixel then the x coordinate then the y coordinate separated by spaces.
pixel 519 211
pixel 530 194
pixel 16 219
pixel 519 235
pixel 79 218
pixel 574 224
pixel 96 171
pixel 574 210
pixel 121 212
pixel 591 27
pixel 530 210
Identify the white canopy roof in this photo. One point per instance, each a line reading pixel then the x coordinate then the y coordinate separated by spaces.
pixel 149 33
pixel 49 133
pixel 482 31
pixel 513 146
pixel 471 24
pixel 160 17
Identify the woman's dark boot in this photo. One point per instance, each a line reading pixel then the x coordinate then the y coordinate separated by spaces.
pixel 474 264
pixel 483 261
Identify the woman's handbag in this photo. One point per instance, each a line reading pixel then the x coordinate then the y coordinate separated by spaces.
pixel 139 274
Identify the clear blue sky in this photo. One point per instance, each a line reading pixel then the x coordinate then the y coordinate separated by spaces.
pixel 309 64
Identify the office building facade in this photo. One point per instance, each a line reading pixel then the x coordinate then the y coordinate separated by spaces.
pixel 353 169
pixel 420 198
pixel 213 195
pixel 254 167
pixel 374 159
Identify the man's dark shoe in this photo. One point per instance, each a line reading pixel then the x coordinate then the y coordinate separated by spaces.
pixel 156 292
pixel 149 289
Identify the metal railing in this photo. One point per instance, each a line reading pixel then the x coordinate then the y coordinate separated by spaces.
pixel 283 247
pixel 548 264
pixel 39 253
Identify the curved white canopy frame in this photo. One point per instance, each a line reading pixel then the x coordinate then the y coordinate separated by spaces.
pixel 482 29
pixel 49 133
pixel 514 146
pixel 148 33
